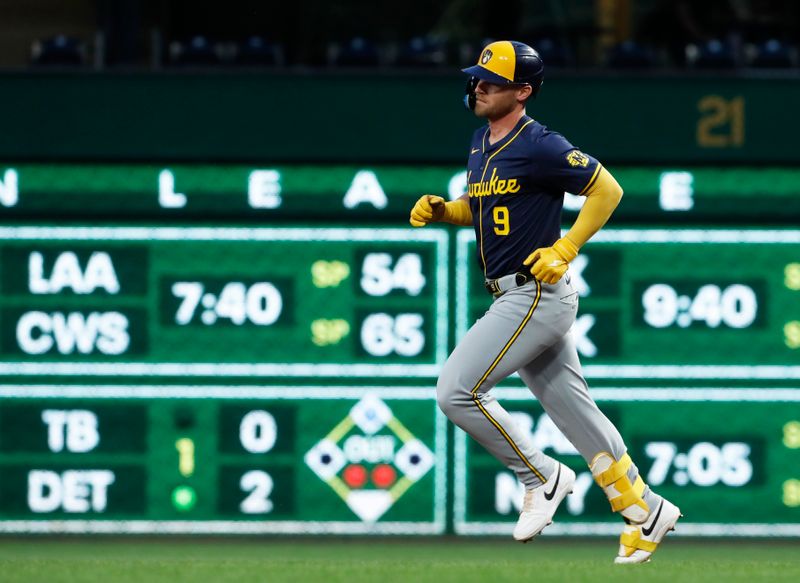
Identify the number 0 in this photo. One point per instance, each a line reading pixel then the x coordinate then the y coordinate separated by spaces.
pixel 501 226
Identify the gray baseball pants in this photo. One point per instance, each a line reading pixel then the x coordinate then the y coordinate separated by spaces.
pixel 526 330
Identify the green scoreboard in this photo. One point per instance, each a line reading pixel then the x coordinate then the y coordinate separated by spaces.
pixel 384 193
pixel 221 460
pixel 230 349
pixel 667 304
pixel 222 302
pixel 730 458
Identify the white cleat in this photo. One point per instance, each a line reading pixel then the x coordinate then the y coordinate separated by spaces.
pixel 540 503
pixel 639 541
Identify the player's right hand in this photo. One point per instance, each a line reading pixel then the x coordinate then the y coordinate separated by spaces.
pixel 428 209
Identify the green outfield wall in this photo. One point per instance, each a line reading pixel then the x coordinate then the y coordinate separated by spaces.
pixel 380 118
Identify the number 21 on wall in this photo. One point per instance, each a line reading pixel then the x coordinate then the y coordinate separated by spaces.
pixel 721 123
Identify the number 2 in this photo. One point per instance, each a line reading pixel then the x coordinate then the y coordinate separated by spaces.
pixel 259 485
pixel 501 226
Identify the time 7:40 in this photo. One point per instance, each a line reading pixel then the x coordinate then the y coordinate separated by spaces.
pixel 259 303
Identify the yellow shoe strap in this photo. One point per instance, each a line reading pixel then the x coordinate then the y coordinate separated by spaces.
pixel 633 541
pixel 631 494
pixel 615 472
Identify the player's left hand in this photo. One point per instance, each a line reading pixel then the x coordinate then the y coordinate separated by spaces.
pixel 549 264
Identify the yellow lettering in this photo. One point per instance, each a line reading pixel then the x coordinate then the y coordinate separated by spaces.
pixel 493 181
pixel 495 185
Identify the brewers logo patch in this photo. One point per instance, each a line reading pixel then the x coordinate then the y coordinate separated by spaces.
pixel 577 158
pixel 486 56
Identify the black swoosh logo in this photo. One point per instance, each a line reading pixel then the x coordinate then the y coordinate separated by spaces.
pixel 647 531
pixel 549 495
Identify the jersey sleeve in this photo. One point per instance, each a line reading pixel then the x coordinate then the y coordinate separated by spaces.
pixel 561 166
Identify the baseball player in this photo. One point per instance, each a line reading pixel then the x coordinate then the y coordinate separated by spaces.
pixel 517 174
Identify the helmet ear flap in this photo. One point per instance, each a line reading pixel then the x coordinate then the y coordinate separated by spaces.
pixel 536 86
pixel 469 92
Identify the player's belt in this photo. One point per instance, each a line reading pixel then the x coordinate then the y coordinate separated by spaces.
pixel 497 287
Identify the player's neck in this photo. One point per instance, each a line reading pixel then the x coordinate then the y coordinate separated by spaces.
pixel 501 127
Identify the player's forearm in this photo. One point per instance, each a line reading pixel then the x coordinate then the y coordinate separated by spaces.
pixel 457 212
pixel 601 200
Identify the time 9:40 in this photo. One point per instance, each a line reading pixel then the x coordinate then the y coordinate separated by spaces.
pixel 734 306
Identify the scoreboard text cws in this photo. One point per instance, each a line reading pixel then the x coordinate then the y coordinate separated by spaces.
pixel 282 459
pixel 222 301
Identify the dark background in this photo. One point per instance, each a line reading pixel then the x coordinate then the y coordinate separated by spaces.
pixel 318 33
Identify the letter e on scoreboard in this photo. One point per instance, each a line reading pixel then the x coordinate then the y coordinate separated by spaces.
pixel 9 191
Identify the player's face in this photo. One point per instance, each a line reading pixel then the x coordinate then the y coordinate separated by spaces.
pixel 494 101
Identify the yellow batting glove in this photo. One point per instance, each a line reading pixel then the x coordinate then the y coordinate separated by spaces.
pixel 428 209
pixel 549 264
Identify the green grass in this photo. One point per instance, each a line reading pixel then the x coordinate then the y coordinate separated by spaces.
pixel 386 561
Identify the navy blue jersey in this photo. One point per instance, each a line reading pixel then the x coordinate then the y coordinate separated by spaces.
pixel 516 191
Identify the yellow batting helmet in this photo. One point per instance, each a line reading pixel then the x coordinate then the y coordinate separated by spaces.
pixel 505 62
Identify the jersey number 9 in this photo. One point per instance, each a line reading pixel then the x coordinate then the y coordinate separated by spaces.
pixel 501 226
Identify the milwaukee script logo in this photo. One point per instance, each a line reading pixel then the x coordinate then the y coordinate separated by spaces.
pixel 492 186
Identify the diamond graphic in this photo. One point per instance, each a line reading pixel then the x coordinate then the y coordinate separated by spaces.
pixel 369 505
pixel 370 459
pixel 325 459
pixel 414 459
pixel 371 414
